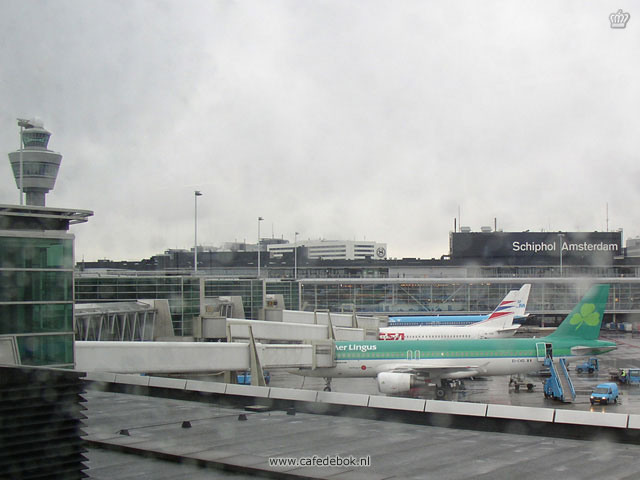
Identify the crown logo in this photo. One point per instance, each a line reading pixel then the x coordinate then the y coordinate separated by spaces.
pixel 619 19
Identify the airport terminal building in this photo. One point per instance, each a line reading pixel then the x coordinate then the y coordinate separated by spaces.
pixel 480 268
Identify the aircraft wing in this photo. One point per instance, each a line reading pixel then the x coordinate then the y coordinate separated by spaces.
pixel 438 370
pixel 512 329
pixel 584 351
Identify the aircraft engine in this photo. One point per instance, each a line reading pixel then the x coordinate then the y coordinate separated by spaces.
pixel 390 383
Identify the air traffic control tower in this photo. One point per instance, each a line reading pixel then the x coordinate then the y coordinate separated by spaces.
pixel 35 167
pixel 36 261
pixel 40 394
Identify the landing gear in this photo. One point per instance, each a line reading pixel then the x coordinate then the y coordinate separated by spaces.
pixel 447 387
pixel 518 381
pixel 327 386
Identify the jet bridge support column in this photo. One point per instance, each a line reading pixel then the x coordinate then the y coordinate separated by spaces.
pixel 255 366
pixel 330 333
pixel 354 318
pixel 229 376
pixel 257 374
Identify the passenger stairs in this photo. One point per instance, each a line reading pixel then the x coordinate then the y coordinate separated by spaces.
pixel 559 385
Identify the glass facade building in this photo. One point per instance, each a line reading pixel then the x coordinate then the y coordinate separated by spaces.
pixel 549 296
pixel 182 292
pixel 36 295
pixel 253 291
pixel 37 283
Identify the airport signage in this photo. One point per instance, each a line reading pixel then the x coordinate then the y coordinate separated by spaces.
pixel 565 246
pixel 351 347
pixel 578 246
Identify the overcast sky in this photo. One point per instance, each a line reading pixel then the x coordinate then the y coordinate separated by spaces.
pixel 376 120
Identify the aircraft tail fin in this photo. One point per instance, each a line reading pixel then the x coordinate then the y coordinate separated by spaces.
pixel 585 319
pixel 522 298
pixel 504 313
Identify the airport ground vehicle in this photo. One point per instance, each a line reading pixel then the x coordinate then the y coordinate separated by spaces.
pixel 519 381
pixel 244 378
pixel 626 376
pixel 604 393
pixel 589 366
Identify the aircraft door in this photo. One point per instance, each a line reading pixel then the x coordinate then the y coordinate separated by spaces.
pixel 544 350
pixel 413 354
pixel 541 351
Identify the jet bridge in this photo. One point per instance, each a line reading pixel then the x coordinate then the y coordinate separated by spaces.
pixel 186 357
pixel 370 324
pixel 190 357
pixel 295 327
pixel 289 332
pixel 250 345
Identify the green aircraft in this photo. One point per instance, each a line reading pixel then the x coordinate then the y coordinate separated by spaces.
pixel 400 365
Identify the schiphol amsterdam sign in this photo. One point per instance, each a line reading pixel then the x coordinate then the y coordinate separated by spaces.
pixel 566 247
pixel 585 245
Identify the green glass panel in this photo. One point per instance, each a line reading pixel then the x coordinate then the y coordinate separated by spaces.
pixel 20 318
pixel 34 286
pixel 46 349
pixel 20 252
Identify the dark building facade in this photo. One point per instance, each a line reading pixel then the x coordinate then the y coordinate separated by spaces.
pixel 538 248
pixel 472 254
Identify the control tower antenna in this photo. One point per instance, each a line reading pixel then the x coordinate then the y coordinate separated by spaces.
pixel 34 166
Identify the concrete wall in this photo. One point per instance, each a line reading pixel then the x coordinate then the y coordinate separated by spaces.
pixel 478 416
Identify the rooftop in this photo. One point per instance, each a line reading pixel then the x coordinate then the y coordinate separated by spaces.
pixel 30 217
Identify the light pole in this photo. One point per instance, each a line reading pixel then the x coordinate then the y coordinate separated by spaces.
pixel 295 256
pixel 197 194
pixel 22 123
pixel 259 220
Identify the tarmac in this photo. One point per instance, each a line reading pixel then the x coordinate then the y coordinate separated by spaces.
pixel 140 437
pixel 144 438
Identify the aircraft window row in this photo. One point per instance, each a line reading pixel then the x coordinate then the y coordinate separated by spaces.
pixel 433 324
pixel 422 354
pixel 369 355
pixel 418 337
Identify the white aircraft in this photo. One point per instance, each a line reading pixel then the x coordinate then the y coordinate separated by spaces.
pixel 459 320
pixel 498 324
